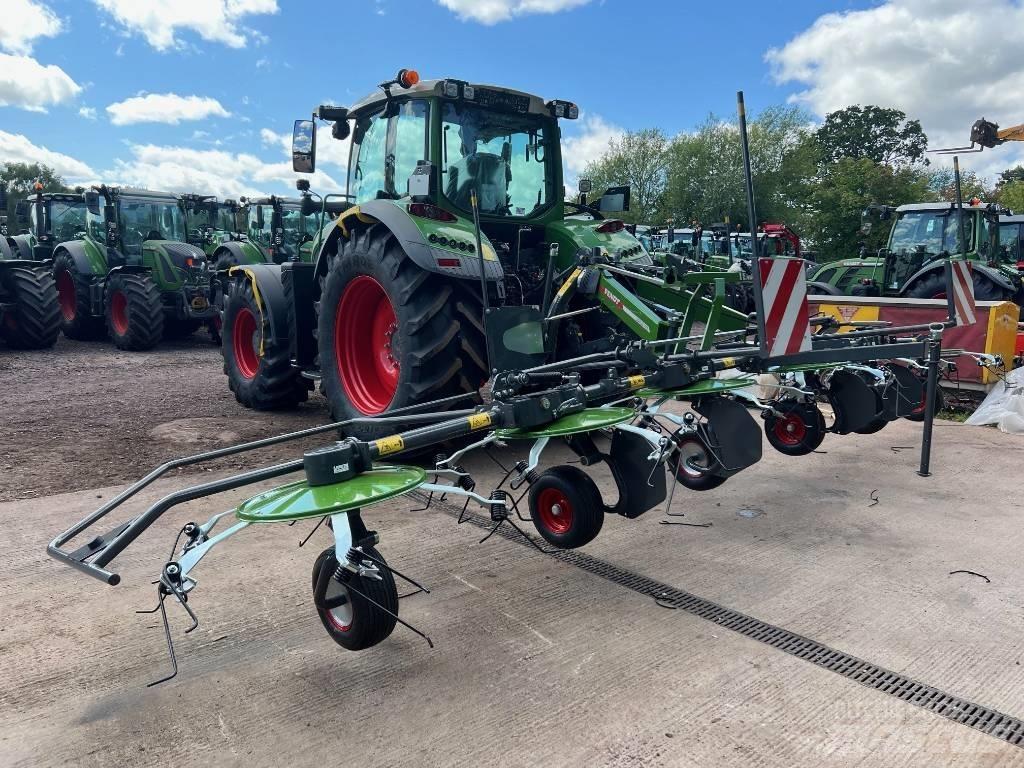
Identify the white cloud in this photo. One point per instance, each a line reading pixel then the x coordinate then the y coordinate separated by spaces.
pixel 89 113
pixel 588 145
pixel 26 83
pixel 217 21
pixel 208 171
pixel 494 11
pixel 940 61
pixel 17 148
pixel 23 22
pixel 164 108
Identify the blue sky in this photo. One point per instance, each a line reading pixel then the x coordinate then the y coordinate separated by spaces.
pixel 92 86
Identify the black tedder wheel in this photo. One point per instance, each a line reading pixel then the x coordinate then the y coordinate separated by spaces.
pixel 392 334
pixel 918 413
pixel 76 320
pixel 35 321
pixel 797 431
pixel 261 382
pixel 693 465
pixel 134 311
pixel 352 620
pixel 566 507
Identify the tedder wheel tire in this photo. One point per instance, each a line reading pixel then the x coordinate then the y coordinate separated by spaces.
pixel 135 313
pixel 392 334
pixel 798 431
pixel 690 449
pixel 35 322
pixel 566 507
pixel 76 320
pixel 356 623
pixel 261 382
pixel 918 413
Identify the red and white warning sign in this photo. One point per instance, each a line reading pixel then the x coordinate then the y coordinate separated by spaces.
pixel 784 298
pixel 962 292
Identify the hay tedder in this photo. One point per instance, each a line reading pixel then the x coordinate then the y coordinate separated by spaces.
pixel 607 402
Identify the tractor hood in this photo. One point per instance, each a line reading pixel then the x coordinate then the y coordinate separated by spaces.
pixel 175 263
pixel 181 255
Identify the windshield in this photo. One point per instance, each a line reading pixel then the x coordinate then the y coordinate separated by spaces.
pixel 141 221
pixel 295 226
pixel 934 232
pixel 1010 237
pixel 504 156
pixel 67 219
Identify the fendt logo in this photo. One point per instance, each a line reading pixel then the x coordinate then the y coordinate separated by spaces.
pixel 612 297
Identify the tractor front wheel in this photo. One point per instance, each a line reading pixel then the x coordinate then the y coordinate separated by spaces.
pixel 259 370
pixel 76 320
pixel 392 334
pixel 134 311
pixel 796 430
pixel 35 321
pixel 353 612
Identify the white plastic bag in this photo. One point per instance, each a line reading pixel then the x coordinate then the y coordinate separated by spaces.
pixel 1004 405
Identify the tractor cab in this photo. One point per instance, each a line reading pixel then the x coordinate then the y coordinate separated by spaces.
pixel 46 218
pixel 210 222
pixel 280 228
pixel 1011 240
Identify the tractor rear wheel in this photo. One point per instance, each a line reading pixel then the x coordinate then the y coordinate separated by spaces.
pixel 566 507
pixel 76 319
pixel 392 334
pixel 933 286
pixel 134 311
pixel 35 322
pixel 259 371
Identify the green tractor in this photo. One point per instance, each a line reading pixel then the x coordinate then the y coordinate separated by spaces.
pixel 45 219
pixel 456 203
pixel 28 296
pixel 912 265
pixel 211 222
pixel 133 271
pixel 281 230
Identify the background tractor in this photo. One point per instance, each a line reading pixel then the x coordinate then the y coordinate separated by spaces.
pixel 28 297
pixel 455 202
pixel 44 219
pixel 211 222
pixel 912 265
pixel 281 230
pixel 132 271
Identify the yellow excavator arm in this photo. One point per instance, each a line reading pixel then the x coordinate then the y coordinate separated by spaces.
pixel 986 135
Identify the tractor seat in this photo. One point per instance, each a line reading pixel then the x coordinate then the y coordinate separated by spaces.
pixel 488 172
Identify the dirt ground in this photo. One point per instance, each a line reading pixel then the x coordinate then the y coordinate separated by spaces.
pixel 85 414
pixel 536 661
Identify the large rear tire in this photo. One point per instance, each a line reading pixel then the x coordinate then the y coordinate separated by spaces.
pixel 76 319
pixel 266 381
pixel 134 311
pixel 35 322
pixel 392 334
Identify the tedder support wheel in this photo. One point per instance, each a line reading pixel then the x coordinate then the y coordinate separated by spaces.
pixel 566 507
pixel 76 320
pixel 264 381
pixel 693 465
pixel 797 431
pixel 35 321
pixel 392 334
pixel 352 620
pixel 918 413
pixel 134 311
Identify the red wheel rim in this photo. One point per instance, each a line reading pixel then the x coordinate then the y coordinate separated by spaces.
pixel 791 429
pixel 244 343
pixel 364 327
pixel 66 294
pixel 555 511
pixel 119 312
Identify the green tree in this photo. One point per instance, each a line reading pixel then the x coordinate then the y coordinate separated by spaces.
pixel 638 159
pixel 1010 175
pixel 1011 195
pixel 706 169
pixel 877 133
pixel 841 194
pixel 20 178
pixel 943 185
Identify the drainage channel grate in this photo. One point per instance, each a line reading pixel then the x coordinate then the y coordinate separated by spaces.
pixel 990 721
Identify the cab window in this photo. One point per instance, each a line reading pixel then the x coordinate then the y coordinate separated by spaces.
pixel 366 181
pixel 410 144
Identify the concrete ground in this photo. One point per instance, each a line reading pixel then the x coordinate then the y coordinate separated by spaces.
pixel 537 662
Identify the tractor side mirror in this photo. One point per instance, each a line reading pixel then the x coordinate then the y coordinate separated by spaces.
pixel 865 228
pixel 304 146
pixel 20 212
pixel 3 198
pixel 278 238
pixel 92 203
pixel 259 217
pixel 586 185
pixel 614 200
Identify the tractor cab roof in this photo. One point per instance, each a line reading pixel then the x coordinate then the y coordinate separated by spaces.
pixel 941 206
pixel 497 97
pixel 1011 218
pixel 63 197
pixel 141 195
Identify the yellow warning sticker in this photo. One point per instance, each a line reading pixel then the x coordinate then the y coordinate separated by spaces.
pixel 389 444
pixel 479 420
pixel 728 362
pixel 569 282
pixel 635 382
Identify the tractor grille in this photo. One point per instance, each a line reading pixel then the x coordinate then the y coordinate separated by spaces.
pixel 990 721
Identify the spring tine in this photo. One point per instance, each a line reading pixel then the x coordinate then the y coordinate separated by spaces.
pixel 170 645
pixel 395 616
pixel 395 571
pixel 310 534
